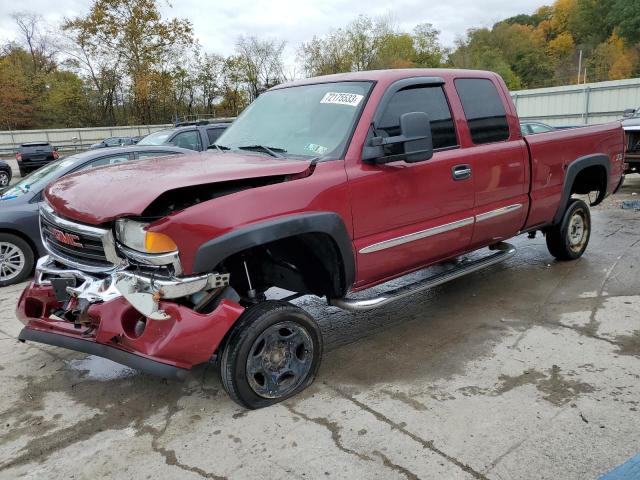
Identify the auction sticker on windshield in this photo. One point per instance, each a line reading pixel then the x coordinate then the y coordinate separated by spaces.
pixel 351 99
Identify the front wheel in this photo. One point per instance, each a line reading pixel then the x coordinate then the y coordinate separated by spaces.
pixel 16 259
pixel 569 239
pixel 5 177
pixel 273 353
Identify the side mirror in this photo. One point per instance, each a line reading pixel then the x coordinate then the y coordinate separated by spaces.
pixel 415 137
pixel 629 112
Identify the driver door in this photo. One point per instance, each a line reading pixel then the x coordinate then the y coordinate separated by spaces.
pixel 407 215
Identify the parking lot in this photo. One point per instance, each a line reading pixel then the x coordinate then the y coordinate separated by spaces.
pixel 528 369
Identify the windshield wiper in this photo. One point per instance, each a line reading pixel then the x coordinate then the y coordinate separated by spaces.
pixel 273 151
pixel 220 148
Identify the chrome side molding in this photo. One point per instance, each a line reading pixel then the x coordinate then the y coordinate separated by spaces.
pixel 503 251
pixel 394 242
pixel 412 237
pixel 497 212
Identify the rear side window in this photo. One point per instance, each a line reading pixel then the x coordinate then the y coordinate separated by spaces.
pixel 189 139
pixel 213 134
pixel 483 109
pixel 110 160
pixel 430 100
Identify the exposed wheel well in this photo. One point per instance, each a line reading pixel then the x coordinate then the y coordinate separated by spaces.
pixel 308 263
pixel 591 179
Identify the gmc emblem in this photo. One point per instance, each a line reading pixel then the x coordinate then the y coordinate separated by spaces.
pixel 66 238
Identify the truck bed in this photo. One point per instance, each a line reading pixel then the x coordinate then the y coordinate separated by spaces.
pixel 549 163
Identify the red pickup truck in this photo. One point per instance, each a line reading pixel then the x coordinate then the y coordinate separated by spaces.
pixel 324 186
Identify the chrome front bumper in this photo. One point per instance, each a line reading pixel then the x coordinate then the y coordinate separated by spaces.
pixel 143 292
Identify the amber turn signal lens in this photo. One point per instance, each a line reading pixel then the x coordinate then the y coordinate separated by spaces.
pixel 159 243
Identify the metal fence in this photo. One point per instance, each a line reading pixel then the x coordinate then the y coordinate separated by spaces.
pixel 578 104
pixel 71 138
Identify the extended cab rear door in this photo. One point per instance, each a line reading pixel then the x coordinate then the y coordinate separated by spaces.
pixel 493 147
pixel 406 215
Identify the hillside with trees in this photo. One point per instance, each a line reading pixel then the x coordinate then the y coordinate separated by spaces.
pixel 122 63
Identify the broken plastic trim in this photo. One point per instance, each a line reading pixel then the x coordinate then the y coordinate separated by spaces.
pixel 145 292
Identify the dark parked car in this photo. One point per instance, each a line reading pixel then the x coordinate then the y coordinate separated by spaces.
pixel 20 242
pixel 33 155
pixel 5 174
pixel 531 128
pixel 196 136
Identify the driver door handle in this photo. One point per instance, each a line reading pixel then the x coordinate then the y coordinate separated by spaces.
pixel 461 172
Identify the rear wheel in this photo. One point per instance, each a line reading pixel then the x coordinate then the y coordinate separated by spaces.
pixel 272 354
pixel 569 239
pixel 16 259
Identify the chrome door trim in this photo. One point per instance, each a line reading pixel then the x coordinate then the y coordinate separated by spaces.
pixel 412 237
pixel 498 211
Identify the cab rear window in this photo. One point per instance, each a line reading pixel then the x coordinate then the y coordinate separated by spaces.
pixel 483 109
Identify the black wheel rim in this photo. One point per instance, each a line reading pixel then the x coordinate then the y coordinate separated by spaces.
pixel 279 360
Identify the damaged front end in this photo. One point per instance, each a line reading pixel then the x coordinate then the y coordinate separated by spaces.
pixel 94 294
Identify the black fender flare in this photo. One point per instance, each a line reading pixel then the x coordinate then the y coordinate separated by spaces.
pixel 214 251
pixel 574 168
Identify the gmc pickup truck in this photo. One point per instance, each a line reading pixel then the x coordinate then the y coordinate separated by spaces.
pixel 325 186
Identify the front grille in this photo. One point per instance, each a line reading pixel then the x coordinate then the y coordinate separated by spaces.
pixel 75 245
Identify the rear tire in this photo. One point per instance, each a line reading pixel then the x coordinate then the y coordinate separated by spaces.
pixel 569 239
pixel 16 259
pixel 273 353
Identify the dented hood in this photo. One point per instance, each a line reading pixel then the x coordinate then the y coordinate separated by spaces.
pixel 104 194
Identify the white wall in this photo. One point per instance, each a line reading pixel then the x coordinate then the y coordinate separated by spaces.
pixel 578 104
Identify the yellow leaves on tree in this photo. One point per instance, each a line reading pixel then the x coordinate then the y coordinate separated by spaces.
pixel 621 59
pixel 561 46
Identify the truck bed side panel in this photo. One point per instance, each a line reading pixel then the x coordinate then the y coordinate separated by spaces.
pixel 551 154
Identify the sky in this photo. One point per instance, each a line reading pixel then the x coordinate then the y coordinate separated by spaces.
pixel 217 24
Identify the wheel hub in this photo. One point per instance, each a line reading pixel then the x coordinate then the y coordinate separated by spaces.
pixel 279 360
pixel 276 359
pixel 577 231
pixel 12 261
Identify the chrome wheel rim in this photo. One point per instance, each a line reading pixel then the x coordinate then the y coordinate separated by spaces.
pixel 4 179
pixel 279 360
pixel 577 231
pixel 12 261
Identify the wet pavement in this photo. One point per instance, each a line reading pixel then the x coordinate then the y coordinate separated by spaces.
pixel 528 369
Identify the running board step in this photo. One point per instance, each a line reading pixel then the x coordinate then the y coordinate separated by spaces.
pixel 504 252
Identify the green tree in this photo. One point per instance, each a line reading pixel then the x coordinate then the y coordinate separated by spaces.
pixel 426 43
pixel 134 31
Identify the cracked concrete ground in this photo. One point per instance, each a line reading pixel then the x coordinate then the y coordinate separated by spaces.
pixel 529 369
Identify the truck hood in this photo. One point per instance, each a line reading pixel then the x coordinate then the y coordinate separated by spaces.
pixel 104 194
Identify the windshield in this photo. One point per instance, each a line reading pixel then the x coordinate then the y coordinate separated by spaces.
pixel 309 120
pixel 156 138
pixel 45 174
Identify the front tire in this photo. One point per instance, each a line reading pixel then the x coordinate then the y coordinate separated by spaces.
pixel 16 259
pixel 273 353
pixel 5 177
pixel 569 239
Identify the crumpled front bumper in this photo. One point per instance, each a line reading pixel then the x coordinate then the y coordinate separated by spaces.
pixel 110 328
